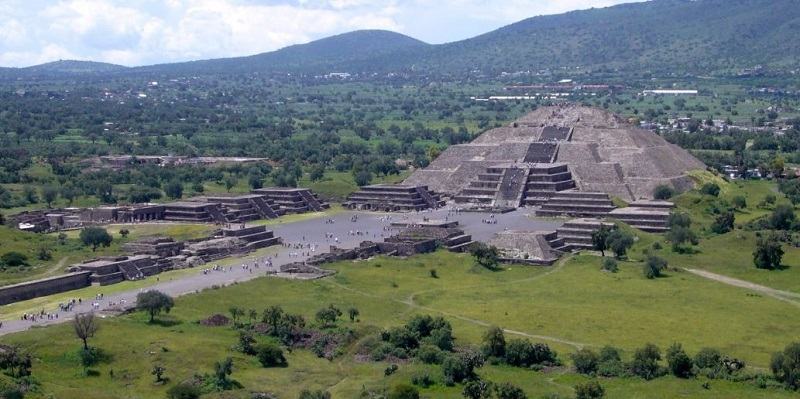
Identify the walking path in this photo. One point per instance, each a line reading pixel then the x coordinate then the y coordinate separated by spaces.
pixel 347 231
pixel 786 296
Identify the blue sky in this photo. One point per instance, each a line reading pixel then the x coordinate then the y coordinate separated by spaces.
pixel 143 32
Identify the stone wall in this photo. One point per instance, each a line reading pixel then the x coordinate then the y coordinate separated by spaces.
pixel 47 286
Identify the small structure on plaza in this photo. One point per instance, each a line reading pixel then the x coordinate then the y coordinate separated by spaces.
pixel 528 247
pixel 394 198
pixel 293 200
pixel 113 269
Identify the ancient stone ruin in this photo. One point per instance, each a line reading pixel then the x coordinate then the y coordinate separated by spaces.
pixel 293 200
pixel 394 198
pixel 549 156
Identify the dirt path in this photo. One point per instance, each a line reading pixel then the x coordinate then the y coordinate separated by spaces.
pixel 411 304
pixel 786 296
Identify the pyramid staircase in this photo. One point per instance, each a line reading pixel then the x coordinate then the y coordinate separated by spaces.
pixel 545 181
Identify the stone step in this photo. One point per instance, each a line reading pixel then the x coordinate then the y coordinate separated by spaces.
pixel 460 247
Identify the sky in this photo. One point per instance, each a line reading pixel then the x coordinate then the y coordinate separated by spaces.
pixel 145 32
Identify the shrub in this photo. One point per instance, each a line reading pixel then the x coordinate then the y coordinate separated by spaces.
pixel 184 391
pixel 403 391
pixel 610 265
pixel 422 379
pixel 610 363
pixel 459 367
pixel 507 390
pixel 782 218
pixel 707 358
pixel 270 355
pixel 785 366
pixel 677 219
pixel 723 223
pixel 494 343
pixel 663 192
pixel 589 390
pixel 768 253
pixel 653 266
pixel 523 353
pixel 711 189
pixel 585 361
pixel 95 237
pixel 306 394
pixel 430 354
pixel 739 202
pixel 14 259
pixel 645 362
pixel 620 242
pixel 680 365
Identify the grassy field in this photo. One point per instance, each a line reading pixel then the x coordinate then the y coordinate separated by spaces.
pixel 565 305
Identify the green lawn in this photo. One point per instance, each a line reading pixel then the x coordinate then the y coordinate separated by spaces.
pixel 573 301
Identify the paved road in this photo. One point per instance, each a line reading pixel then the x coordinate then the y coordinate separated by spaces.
pixel 371 226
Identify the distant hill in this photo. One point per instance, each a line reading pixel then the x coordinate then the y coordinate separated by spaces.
pixel 668 36
pixel 73 67
pixel 325 54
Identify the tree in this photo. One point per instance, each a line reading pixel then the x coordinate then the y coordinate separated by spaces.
pixel 14 259
pixel 782 218
pixel 362 178
pixel 461 366
pixel 95 237
pixel 785 366
pixel 154 302
pixel 739 202
pixel 353 313
pixel 711 189
pixel 680 364
pixel 316 173
pixel 15 363
pixel 600 239
pixel 49 194
pixel 508 390
pixel 707 358
pixel 494 343
pixel 184 391
pixel 270 355
pixel 589 390
pixel 222 370
pixel 158 371
pixel 585 361
pixel 768 253
pixel 174 189
pixel 477 389
pixel 403 391
pixel 724 222
pixel 230 181
pixel 663 192
pixel 645 362
pixel 85 326
pixel 679 236
pixel 255 181
pixel 124 233
pixel 619 242
pixel 485 256
pixel 236 312
pixel 610 265
pixel 327 316
pixel 523 353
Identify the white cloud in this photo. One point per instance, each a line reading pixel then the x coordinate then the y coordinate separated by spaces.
pixel 154 31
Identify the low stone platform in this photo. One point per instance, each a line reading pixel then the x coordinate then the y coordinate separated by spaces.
pixel 393 198
pixel 425 223
pixel 529 247
pixel 293 200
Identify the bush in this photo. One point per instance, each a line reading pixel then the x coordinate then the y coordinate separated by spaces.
pixel 422 380
pixel 610 363
pixel 494 343
pixel 14 259
pixel 663 192
pixel 95 237
pixel 507 390
pixel 306 394
pixel 589 390
pixel 768 253
pixel 739 202
pixel 723 223
pixel 782 218
pixel 523 353
pixel 430 354
pixel 270 355
pixel 711 189
pixel 585 361
pixel 680 365
pixel 707 358
pixel 610 265
pixel 184 391
pixel 459 367
pixel 403 391
pixel 645 362
pixel 619 242
pixel 653 266
pixel 785 366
